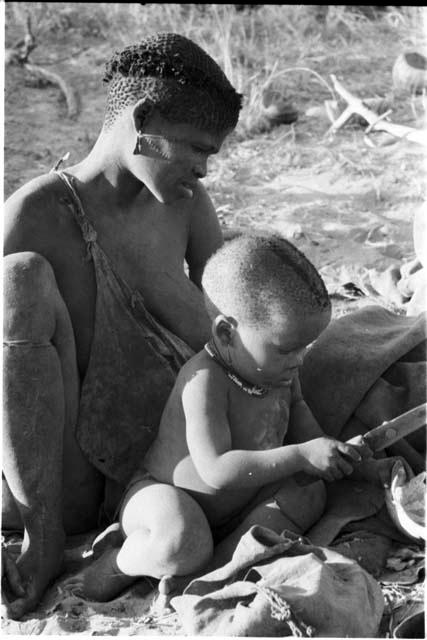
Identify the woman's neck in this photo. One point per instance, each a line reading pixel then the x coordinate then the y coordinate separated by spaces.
pixel 102 176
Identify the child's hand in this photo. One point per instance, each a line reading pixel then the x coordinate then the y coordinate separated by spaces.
pixel 359 443
pixel 329 458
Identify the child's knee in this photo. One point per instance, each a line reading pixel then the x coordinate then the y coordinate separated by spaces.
pixel 303 504
pixel 317 499
pixel 175 539
pixel 189 550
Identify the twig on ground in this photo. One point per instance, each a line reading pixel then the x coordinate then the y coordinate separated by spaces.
pixel 356 106
pixel 19 53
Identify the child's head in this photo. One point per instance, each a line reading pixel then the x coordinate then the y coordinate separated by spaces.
pixel 267 302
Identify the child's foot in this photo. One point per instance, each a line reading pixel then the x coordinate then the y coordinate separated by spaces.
pixel 111 537
pixel 101 581
pixel 169 587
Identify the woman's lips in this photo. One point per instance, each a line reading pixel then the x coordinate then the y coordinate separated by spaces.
pixel 188 188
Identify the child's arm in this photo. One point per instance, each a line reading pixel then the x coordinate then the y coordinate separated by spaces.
pixel 210 444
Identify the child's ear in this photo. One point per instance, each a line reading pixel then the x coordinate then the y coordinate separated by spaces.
pixel 223 328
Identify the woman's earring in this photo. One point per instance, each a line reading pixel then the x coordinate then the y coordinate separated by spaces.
pixel 138 147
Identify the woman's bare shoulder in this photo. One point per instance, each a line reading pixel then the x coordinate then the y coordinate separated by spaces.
pixel 41 189
pixel 30 212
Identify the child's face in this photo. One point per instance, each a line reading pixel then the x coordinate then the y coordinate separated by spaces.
pixel 270 355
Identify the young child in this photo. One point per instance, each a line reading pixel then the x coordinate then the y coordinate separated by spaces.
pixel 235 429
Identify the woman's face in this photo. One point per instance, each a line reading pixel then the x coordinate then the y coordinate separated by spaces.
pixel 173 157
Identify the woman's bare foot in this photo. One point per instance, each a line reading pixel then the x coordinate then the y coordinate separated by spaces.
pixel 101 581
pixel 41 561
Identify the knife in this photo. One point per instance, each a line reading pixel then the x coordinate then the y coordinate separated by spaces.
pixel 393 430
pixel 383 436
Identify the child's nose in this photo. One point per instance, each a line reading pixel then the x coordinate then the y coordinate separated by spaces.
pixel 297 357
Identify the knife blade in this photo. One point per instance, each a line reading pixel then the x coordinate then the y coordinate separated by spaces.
pixel 393 430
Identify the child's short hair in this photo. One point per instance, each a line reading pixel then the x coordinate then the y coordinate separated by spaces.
pixel 255 277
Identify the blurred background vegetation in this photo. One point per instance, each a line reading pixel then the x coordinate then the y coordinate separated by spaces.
pixel 297 45
pixel 347 205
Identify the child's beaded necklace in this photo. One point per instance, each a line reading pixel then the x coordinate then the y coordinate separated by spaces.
pixel 247 387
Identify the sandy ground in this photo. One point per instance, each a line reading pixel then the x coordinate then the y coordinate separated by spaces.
pixel 349 207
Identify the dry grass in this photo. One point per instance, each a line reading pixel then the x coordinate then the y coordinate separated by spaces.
pixel 284 44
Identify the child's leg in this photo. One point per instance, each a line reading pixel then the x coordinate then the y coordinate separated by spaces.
pixel 302 504
pixel 165 534
pixel 292 507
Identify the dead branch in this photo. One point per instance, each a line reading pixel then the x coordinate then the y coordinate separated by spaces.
pixel 376 123
pixel 71 95
pixel 20 53
pixel 46 63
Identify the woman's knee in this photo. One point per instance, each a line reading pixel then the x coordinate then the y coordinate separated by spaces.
pixel 30 297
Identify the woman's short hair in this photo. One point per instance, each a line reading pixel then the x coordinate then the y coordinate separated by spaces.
pixel 175 76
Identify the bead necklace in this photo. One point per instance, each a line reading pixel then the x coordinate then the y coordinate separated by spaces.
pixel 247 387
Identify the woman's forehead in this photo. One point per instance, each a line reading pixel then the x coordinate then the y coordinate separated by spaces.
pixel 182 131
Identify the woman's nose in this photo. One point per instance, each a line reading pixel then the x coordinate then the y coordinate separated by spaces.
pixel 200 170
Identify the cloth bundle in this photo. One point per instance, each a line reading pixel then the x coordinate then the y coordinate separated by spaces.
pixel 281 585
pixel 366 367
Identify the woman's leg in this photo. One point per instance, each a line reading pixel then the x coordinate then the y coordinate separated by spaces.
pixel 45 473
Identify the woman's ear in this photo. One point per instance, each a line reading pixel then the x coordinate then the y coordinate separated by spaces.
pixel 224 328
pixel 140 114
